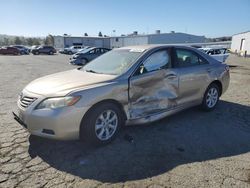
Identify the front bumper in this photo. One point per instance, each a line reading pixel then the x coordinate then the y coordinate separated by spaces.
pixel 75 62
pixel 61 124
pixel 19 120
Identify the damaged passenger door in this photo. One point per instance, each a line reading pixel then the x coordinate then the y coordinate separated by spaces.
pixel 153 87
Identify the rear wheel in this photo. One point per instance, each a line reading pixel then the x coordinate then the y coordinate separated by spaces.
pixel 50 53
pixel 36 53
pixel 101 124
pixel 211 97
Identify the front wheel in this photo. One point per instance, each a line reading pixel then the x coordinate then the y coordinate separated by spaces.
pixel 101 124
pixel 211 97
pixel 84 61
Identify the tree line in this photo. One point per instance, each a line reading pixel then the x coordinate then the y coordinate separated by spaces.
pixel 27 41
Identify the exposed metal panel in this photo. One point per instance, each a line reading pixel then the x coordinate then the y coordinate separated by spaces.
pixel 152 93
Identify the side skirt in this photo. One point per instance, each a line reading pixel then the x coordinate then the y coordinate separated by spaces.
pixel 159 115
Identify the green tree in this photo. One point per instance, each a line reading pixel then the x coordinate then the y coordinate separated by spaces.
pixel 85 34
pixel 17 40
pixel 100 34
pixel 6 41
pixel 29 41
pixel 36 41
pixel 49 40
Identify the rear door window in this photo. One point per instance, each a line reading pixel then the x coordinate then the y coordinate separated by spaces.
pixel 187 58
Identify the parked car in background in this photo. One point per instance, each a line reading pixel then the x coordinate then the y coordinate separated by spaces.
pixel 43 50
pixel 84 56
pixel 129 85
pixel 220 54
pixel 71 50
pixel 22 49
pixel 83 49
pixel 34 46
pixel 9 50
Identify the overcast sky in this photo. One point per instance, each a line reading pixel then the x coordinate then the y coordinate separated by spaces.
pixel 212 18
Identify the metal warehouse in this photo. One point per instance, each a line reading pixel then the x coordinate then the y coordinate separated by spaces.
pixel 241 43
pixel 67 41
pixel 157 38
pixel 132 39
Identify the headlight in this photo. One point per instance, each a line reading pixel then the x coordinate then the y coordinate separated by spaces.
pixel 58 102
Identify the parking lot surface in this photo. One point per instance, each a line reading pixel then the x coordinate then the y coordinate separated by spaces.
pixel 189 149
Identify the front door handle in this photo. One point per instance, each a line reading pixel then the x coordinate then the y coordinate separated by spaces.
pixel 209 70
pixel 171 76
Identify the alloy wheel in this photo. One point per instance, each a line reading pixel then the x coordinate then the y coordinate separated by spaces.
pixel 106 125
pixel 212 97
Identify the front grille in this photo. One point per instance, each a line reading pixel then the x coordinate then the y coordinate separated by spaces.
pixel 25 101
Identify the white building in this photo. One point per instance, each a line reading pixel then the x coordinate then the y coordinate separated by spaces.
pixel 241 43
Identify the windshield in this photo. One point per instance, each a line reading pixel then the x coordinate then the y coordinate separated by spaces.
pixel 84 50
pixel 114 62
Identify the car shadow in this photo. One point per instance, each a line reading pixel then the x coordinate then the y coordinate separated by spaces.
pixel 145 151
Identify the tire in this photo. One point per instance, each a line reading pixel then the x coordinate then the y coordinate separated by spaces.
pixel 211 97
pixel 84 61
pixel 36 53
pixel 22 52
pixel 70 53
pixel 95 127
pixel 50 53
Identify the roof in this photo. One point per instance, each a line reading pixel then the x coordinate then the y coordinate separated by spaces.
pixel 129 36
pixel 242 32
pixel 150 46
pixel 95 37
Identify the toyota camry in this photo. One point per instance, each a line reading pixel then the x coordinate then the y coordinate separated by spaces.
pixel 126 86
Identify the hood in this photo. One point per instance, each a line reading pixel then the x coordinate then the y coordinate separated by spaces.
pixel 64 82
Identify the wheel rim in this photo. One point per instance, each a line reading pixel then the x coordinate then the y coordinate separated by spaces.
pixel 212 97
pixel 106 125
